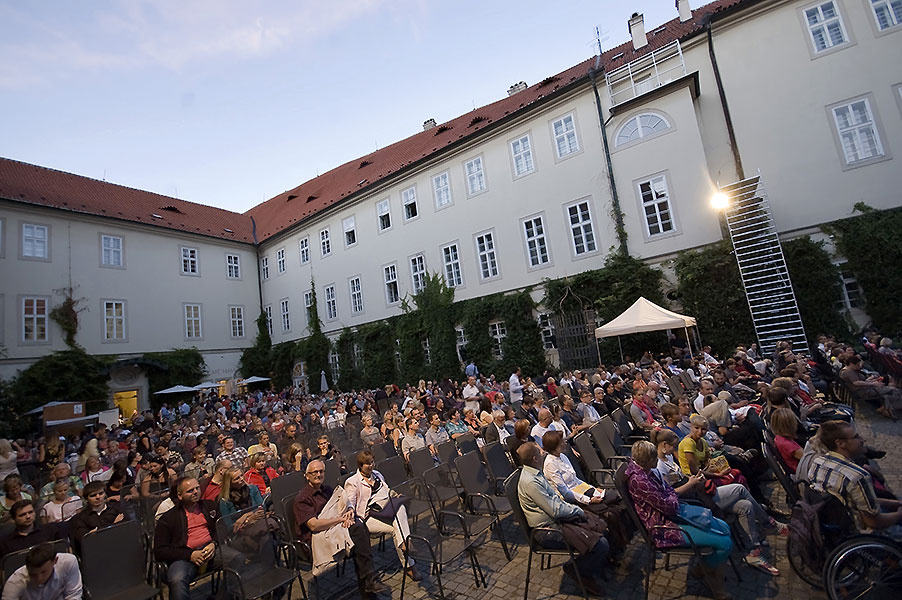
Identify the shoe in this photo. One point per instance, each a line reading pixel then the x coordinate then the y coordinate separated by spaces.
pixel 754 559
pixel 592 587
pixel 781 528
pixel 413 573
pixel 376 586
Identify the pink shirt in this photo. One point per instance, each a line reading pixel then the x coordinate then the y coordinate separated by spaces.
pixel 198 532
pixel 786 447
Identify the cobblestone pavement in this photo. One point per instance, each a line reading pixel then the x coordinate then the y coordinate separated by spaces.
pixel 506 578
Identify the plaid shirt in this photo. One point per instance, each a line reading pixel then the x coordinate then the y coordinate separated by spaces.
pixel 238 457
pixel 833 473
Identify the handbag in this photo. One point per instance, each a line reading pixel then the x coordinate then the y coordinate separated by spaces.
pixel 697 516
pixel 387 513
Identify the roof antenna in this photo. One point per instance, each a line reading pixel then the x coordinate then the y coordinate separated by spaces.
pixel 598 39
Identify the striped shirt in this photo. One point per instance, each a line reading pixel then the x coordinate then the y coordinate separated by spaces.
pixel 834 473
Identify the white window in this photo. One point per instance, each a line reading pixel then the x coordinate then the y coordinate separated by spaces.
pixel 331 304
pixel 34 241
pixel 383 215
pixel 111 251
pixel 409 202
pixel 189 261
pixel 521 149
pixel 475 176
pixel 451 257
pixel 887 12
pixel 547 331
pixel 536 245
pixel 390 276
pixel 193 328
pixel 857 131
pixel 460 341
pixel 825 26
pixel 356 295
pixel 325 242
pixel 334 365
pixel 236 321
pixel 308 302
pixel 34 319
pixel 639 127
pixel 441 188
pixel 280 260
pixel 418 273
pixel 233 266
pixel 851 296
pixel 267 310
pixel 114 320
pixel 350 228
pixel 264 268
pixel 581 231
pixel 656 206
pixel 304 250
pixel 497 331
pixel 485 251
pixel 427 351
pixel 286 316
pixel 565 141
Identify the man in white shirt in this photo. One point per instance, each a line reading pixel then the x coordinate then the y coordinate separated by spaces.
pixel 471 395
pixel 516 388
pixel 45 576
pixel 545 424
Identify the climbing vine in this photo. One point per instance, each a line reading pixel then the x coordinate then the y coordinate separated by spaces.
pixel 66 314
pixel 315 349
pixel 815 281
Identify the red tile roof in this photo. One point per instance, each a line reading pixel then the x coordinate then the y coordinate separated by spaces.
pixel 22 182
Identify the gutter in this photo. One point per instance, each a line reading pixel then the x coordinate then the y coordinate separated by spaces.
pixel 257 253
pixel 734 146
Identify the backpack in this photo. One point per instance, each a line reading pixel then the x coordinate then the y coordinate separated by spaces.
pixel 805 533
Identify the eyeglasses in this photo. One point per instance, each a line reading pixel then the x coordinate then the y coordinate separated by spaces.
pixel 316 472
pixel 857 436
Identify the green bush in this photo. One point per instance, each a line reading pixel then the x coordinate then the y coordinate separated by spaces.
pixel 815 282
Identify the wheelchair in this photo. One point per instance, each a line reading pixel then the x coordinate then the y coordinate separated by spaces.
pixel 846 564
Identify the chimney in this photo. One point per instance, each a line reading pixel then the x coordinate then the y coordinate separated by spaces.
pixel 517 87
pixel 684 9
pixel 637 29
pixel 428 124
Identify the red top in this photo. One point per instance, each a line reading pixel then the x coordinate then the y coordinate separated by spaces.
pixel 786 447
pixel 198 532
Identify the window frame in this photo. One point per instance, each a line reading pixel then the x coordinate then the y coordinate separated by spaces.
pixel 405 204
pixel 435 191
pixel 267 310
pixel 325 242
pixel 356 292
pixel 674 221
pixel 879 132
pixel 240 321
pixel 383 209
pixel 182 259
pixel 331 309
pixel 281 266
pixel 446 264
pixel 48 229
pixel 485 183
pixel 200 320
pixel 544 240
pixel 493 250
pixel 264 268
pixel 104 318
pixel 498 333
pixel 574 254
pixel 386 281
pixel 579 148
pixel 875 24
pixel 346 229
pixel 285 314
pixel 844 23
pixel 636 115
pixel 546 331
pixel 100 237
pixel 308 304
pixel 415 274
pixel 236 266
pixel 513 155
pixel 304 250
pixel 21 339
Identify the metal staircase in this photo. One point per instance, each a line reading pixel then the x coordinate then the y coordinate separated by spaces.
pixel 762 266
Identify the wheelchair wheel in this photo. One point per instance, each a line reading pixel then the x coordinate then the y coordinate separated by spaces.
pixel 808 574
pixel 864 567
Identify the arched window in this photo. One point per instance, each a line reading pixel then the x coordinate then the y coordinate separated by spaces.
pixel 640 126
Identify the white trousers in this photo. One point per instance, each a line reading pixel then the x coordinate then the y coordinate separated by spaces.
pixel 399 529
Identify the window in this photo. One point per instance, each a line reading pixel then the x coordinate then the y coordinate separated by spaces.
pixel 536 246
pixel 236 321
pixel 35 241
pixel 358 355
pixel 280 260
pixel 304 250
pixel 497 331
pixel 887 12
pixel 383 215
pixel 581 231
pixel 286 317
pixel 639 127
pixel 334 365
pixel 565 142
pixel 114 320
pixel 264 268
pixel 825 26
pixel 851 296
pixel 308 302
pixel 356 295
pixel 193 329
pixel 350 228
pixel 233 266
pixel 485 251
pixel 267 310
pixel 331 305
pixel 857 131
pixel 656 206
pixel 34 319
pixel 325 242
pixel 390 275
pixel 409 202
pixel 475 176
pixel 189 261
pixel 427 351
pixel 451 256
pixel 111 251
pixel 418 273
pixel 547 331
pixel 521 149
pixel 460 341
pixel 441 188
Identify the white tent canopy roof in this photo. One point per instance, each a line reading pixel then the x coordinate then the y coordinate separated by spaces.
pixel 644 316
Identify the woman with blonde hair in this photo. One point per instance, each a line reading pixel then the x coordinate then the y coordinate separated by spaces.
pixel 8 459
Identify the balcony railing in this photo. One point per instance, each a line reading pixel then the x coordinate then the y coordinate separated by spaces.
pixel 646 73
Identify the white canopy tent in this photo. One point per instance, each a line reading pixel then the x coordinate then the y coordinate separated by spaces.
pixel 645 315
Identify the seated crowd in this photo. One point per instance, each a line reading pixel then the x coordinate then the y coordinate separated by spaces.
pixel 700 423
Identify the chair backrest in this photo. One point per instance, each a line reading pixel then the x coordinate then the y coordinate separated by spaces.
pixel 625 423
pixel 587 452
pixel 333 472
pixel 420 461
pixel 602 441
pixel 254 540
pixel 384 450
pixel 781 471
pixel 606 424
pixel 14 560
pixel 622 485
pixel 496 460
pixel 447 451
pixel 513 496
pixel 393 470
pixel 473 476
pixel 286 486
pixel 112 559
pixel 577 467
pixel 287 508
pixel 467 443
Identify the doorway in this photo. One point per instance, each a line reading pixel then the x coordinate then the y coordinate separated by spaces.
pixel 127 402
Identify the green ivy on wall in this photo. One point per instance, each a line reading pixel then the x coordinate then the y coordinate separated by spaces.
pixel 815 281
pixel 315 349
pixel 183 366
pixel 257 359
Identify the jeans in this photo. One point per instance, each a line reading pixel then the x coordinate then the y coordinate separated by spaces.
pixel 592 562
pixel 736 499
pixel 717 536
pixel 182 572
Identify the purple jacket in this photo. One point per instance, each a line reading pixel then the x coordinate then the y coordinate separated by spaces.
pixel 656 502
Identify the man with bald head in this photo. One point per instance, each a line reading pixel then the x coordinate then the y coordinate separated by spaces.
pixel 546 423
pixel 308 505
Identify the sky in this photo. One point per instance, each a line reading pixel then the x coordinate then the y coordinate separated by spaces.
pixel 231 102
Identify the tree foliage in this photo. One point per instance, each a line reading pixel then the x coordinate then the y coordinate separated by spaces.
pixel 315 349
pixel 257 359
pixel 815 282
pixel 180 366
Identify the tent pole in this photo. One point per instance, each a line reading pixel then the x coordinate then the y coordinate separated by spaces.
pixel 598 351
pixel 621 349
pixel 688 341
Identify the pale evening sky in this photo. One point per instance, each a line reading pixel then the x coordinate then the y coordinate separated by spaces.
pixel 230 102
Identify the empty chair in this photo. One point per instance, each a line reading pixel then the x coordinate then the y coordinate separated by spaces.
pixel 467 443
pixel 112 564
pixel 383 451
pixel 599 473
pixel 438 477
pixel 447 451
pixel 605 447
pixel 333 472
pixel 498 463
pixel 610 430
pixel 395 474
pixel 482 493
pixel 627 427
pixel 286 486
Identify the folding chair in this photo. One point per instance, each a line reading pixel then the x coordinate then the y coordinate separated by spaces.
pixel 286 486
pixel 12 561
pixel 438 476
pixel 482 494
pixel 333 472
pixel 605 447
pixel 592 463
pixel 495 458
pixel 467 443
pixel 397 478
pixel 383 451
pixel 112 564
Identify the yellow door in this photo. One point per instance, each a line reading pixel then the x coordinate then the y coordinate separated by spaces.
pixel 127 402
